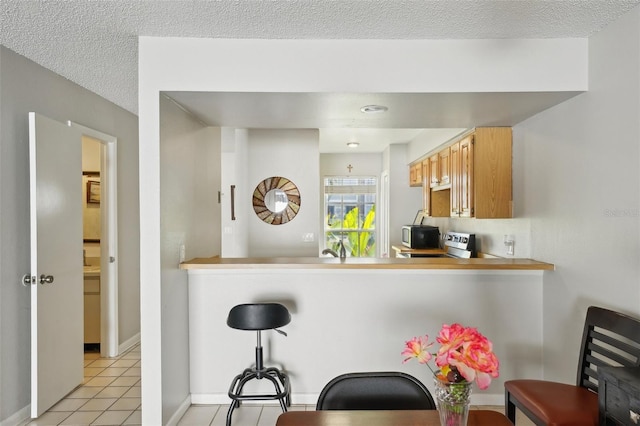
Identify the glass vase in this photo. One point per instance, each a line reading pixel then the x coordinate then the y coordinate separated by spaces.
pixel 453 401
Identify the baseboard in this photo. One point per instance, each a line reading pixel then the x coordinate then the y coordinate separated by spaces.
pixel 129 343
pixel 19 418
pixel 177 415
pixel 211 398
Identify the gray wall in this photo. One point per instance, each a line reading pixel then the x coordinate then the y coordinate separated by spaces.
pixel 190 178
pixel 582 194
pixel 24 87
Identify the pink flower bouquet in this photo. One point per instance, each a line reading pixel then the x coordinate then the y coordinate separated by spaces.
pixel 464 355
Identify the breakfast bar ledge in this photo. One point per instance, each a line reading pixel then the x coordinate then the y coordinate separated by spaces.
pixel 368 263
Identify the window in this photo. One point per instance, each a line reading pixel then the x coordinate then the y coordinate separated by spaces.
pixel 349 210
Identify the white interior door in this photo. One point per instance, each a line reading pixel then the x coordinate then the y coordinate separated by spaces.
pixel 56 261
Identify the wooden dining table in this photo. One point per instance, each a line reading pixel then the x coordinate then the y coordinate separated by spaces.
pixel 384 418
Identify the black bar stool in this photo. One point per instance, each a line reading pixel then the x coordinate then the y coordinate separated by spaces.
pixel 258 317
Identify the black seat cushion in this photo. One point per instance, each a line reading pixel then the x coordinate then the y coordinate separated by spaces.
pixel 258 316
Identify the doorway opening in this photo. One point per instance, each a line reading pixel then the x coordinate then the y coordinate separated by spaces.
pixel 100 241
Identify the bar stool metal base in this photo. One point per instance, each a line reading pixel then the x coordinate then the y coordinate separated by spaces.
pixel 280 382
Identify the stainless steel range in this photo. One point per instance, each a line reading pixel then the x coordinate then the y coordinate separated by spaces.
pixel 460 245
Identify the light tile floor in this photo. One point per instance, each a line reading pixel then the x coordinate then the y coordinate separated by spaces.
pixel 266 415
pixel 109 395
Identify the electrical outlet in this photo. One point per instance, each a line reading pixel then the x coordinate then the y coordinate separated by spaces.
pixel 308 237
pixel 509 243
pixel 183 253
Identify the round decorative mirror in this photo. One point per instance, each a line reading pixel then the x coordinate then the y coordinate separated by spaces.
pixel 276 200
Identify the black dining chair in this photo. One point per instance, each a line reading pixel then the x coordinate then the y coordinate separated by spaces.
pixel 609 338
pixel 375 391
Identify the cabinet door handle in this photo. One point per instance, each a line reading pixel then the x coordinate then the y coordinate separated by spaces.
pixel 233 202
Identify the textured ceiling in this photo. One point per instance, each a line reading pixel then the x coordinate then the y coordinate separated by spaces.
pixel 94 43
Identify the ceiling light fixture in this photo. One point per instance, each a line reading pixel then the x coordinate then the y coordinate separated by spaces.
pixel 352 144
pixel 374 109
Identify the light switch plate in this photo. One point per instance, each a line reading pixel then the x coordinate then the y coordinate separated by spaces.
pixel 308 237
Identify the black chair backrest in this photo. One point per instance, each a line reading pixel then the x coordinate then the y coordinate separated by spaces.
pixel 258 316
pixel 609 339
pixel 375 391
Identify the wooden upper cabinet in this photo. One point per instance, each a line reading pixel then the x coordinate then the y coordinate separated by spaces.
pixel 472 177
pixel 444 164
pixel 454 158
pixel 434 171
pixel 462 178
pixel 440 169
pixel 415 174
pixel 492 171
pixel 426 187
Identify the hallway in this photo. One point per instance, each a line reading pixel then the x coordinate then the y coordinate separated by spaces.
pixel 109 395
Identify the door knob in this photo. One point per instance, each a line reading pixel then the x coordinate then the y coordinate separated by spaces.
pixel 46 279
pixel 27 280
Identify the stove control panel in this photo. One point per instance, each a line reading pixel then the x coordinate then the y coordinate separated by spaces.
pixel 460 241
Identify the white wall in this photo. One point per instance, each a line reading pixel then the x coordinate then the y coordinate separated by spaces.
pixel 581 192
pixel 235 236
pixel 430 139
pixel 292 154
pixel 404 201
pixel 348 320
pixel 190 158
pixel 26 86
pixel 365 164
pixel 316 66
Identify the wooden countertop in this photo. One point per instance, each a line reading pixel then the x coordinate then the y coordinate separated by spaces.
pixel 415 263
pixel 399 248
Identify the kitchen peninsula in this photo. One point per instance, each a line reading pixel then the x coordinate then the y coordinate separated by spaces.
pixel 355 315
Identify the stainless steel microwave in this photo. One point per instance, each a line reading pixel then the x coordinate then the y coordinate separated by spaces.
pixel 420 236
